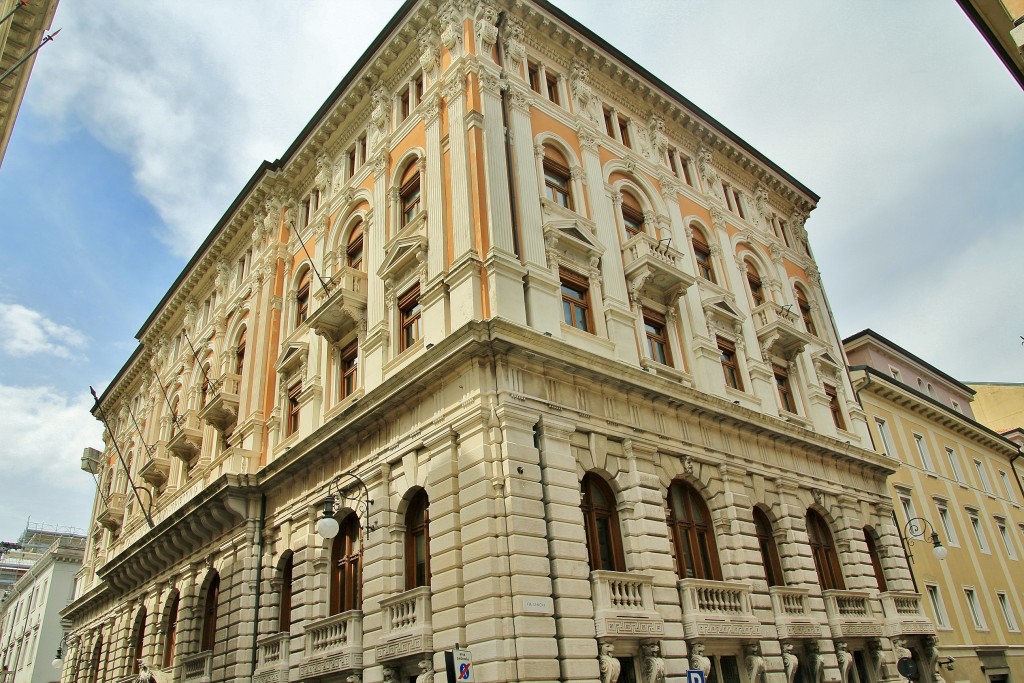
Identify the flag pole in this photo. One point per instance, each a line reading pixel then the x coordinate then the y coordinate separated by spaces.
pixel 21 61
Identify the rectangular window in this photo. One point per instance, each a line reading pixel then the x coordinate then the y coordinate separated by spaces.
pixel 292 424
pixel 409 318
pixel 410 196
pixel 685 165
pixel 786 401
pixel 609 126
pixel 1004 604
pixel 947 524
pixel 910 513
pixel 349 370
pixel 351 161
pixel 575 300
pixel 739 203
pixel 1011 495
pixel 730 364
pixel 983 476
pixel 404 102
pixel 533 72
pixel 556 183
pixel 552 83
pixel 361 147
pixel 979 531
pixel 657 338
pixel 673 161
pixel 975 609
pixel 727 191
pixel 883 432
pixel 922 450
pixel 418 89
pixel 624 132
pixel 834 407
pixel 938 607
pixel 1005 535
pixel 954 464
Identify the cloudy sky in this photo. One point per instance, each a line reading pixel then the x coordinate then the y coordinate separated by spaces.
pixel 143 121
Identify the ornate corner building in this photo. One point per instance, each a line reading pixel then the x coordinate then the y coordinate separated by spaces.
pixel 514 348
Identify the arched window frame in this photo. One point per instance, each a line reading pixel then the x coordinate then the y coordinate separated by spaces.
pixel 871 540
pixel 803 304
pixel 211 600
pixel 693 534
pixel 823 551
pixel 346 567
pixel 354 247
pixel 170 629
pixel 601 524
pixel 284 611
pixel 557 177
pixel 632 221
pixel 755 286
pixel 138 640
pixel 240 343
pixel 565 163
pixel 302 297
pixel 766 541
pixel 703 254
pixel 417 541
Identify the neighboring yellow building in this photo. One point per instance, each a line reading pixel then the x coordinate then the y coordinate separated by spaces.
pixel 19 34
pixel 1001 22
pixel 1000 405
pixel 958 479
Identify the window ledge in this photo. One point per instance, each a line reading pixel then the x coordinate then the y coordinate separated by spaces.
pixel 403 356
pixel 345 403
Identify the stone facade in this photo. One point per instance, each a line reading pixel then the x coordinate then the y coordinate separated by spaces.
pixel 539 336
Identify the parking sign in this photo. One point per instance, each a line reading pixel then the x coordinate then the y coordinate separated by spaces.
pixel 694 676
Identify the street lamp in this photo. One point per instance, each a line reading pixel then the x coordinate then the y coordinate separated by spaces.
pixel 65 643
pixel 917 528
pixel 327 526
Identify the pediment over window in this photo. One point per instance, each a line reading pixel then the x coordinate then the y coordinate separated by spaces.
pixel 293 357
pixel 722 316
pixel 826 366
pixel 573 239
pixel 404 253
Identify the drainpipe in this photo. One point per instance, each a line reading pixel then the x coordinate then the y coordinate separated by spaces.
pixel 1014 470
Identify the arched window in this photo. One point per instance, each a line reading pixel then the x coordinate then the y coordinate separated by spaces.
pixel 409 194
pixel 354 250
pixel 769 550
pixel 209 633
pixel 417 542
pixel 823 550
pixel 349 368
pixel 601 523
pixel 876 560
pixel 632 215
pixel 754 283
pixel 171 632
pixel 138 639
pixel 702 252
pixel 302 298
pixel 557 178
pixel 240 352
pixel 284 617
pixel 693 538
pixel 346 575
pixel 97 652
pixel 805 310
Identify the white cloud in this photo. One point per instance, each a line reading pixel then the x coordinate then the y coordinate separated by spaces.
pixel 26 332
pixel 44 434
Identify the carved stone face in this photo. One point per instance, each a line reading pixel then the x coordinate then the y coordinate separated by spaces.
pixel 607 649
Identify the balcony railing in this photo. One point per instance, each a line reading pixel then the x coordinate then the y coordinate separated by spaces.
pixel 904 616
pixel 341 307
pixel 793 617
pixel 111 512
pixel 221 409
pixel 717 609
pixel 624 604
pixel 851 614
pixel 197 668
pixel 778 326
pixel 654 266
pixel 333 644
pixel 156 468
pixel 186 436
pixel 272 659
pixel 407 628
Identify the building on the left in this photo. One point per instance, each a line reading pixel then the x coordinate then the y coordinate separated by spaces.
pixel 37 580
pixel 20 32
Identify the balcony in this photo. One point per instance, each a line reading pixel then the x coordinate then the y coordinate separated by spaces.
pixel 793 618
pixel 342 307
pixel 904 616
pixel 654 267
pixel 197 668
pixel 624 605
pixel 407 628
pixel 333 644
pixel 157 467
pixel 851 614
pixel 779 327
pixel 221 409
pixel 186 437
pixel 272 659
pixel 111 512
pixel 717 609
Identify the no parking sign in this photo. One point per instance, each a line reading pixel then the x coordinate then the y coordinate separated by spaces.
pixel 458 664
